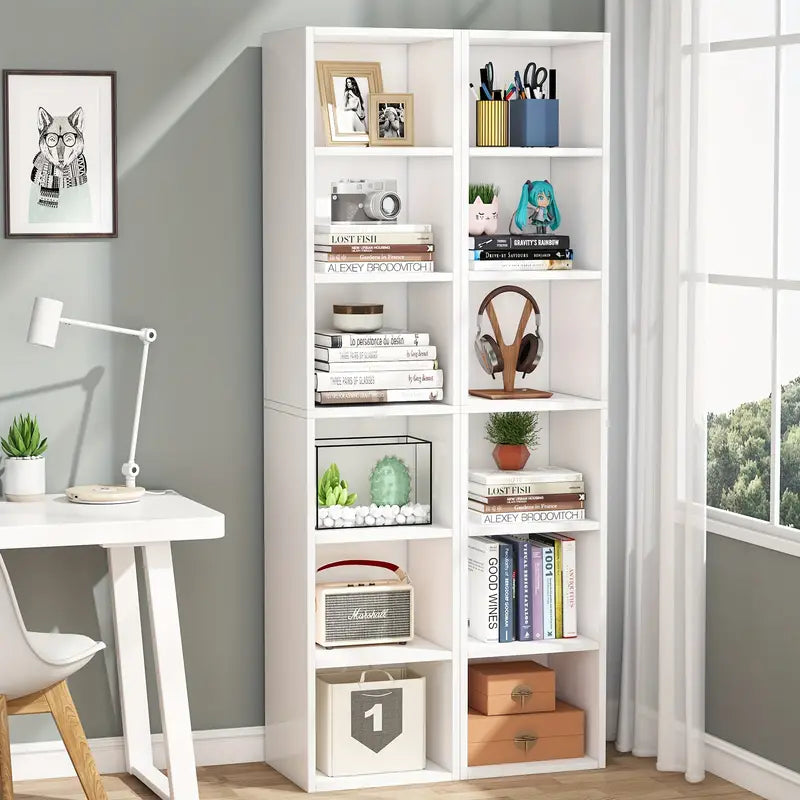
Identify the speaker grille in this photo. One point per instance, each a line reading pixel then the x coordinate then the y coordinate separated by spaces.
pixel 350 617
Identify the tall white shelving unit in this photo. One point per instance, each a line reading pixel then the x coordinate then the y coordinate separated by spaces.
pixel 436 65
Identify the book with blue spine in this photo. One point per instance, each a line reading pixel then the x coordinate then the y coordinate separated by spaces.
pixel 506 631
pixel 524 567
pixel 538 593
pixel 548 587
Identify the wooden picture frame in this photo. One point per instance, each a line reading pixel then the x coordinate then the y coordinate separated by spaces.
pixel 67 190
pixel 395 129
pixel 345 109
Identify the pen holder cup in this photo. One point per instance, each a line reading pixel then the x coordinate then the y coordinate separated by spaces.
pixel 491 123
pixel 533 123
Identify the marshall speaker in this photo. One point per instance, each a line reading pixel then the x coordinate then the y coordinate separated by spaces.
pixel 365 612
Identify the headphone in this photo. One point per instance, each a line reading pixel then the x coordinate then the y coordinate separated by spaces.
pixel 489 350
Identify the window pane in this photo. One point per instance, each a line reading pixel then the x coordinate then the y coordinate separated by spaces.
pixel 789 202
pixel 789 374
pixel 790 16
pixel 741 19
pixel 738 188
pixel 739 331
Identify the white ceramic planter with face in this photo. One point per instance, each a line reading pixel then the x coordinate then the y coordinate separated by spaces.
pixel 483 217
pixel 24 479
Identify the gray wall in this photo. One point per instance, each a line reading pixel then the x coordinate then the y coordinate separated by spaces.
pixel 753 649
pixel 187 262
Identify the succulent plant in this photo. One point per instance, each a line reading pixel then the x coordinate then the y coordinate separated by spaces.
pixel 24 439
pixel 332 489
pixel 390 482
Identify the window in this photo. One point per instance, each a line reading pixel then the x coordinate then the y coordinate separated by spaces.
pixel 751 238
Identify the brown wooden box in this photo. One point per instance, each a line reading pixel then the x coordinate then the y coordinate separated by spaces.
pixel 525 737
pixel 511 687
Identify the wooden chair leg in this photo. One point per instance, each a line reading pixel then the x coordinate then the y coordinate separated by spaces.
pixel 6 788
pixel 69 726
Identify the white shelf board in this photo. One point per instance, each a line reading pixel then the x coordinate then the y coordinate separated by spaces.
pixel 374 410
pixel 516 275
pixel 381 277
pixel 416 651
pixel 355 151
pixel 535 152
pixel 558 402
pixel 533 38
pixel 341 35
pixel 432 773
pixel 507 529
pixel 579 644
pixel 391 533
pixel 532 768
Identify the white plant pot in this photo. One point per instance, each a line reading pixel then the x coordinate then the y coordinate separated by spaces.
pixel 482 217
pixel 24 479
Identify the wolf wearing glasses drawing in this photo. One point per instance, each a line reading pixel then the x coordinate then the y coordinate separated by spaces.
pixel 59 188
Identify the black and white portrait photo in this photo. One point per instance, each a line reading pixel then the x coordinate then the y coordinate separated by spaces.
pixel 351 104
pixel 393 119
pixel 59 154
pixel 345 88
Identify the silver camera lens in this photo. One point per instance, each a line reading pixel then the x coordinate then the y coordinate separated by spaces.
pixel 382 205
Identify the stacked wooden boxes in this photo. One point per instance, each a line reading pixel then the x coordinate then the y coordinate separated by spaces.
pixel 514 715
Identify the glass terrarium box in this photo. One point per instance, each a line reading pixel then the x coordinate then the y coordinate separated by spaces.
pixel 371 481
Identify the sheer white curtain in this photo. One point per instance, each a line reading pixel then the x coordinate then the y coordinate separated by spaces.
pixel 658 80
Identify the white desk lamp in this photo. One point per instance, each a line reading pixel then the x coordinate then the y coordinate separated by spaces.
pixel 45 320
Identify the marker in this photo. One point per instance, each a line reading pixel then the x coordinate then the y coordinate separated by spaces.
pixel 486 91
pixel 551 84
pixel 474 93
pixel 510 91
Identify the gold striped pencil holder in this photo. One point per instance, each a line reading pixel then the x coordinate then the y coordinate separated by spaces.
pixel 491 123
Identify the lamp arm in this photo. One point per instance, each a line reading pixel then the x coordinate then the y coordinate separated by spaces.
pixel 100 327
pixel 130 469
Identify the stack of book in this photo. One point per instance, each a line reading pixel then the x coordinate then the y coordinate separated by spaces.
pixel 382 367
pixel 522 588
pixel 350 249
pixel 517 497
pixel 520 252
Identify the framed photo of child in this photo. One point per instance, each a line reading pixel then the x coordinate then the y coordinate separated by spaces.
pixel 345 88
pixel 393 116
pixel 59 138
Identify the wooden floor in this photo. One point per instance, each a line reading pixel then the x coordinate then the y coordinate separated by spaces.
pixel 626 778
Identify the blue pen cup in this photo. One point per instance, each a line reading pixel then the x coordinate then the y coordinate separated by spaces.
pixel 533 123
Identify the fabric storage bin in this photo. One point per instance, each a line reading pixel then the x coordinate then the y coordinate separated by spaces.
pixel 525 737
pixel 491 123
pixel 370 721
pixel 511 687
pixel 533 123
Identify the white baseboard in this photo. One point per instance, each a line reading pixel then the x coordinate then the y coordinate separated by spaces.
pixel 751 772
pixel 38 760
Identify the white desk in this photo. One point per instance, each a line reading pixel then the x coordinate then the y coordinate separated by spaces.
pixel 151 524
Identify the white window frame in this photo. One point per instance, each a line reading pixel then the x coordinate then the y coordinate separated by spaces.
pixel 772 534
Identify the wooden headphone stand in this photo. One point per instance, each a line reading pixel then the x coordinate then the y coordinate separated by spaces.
pixel 510 355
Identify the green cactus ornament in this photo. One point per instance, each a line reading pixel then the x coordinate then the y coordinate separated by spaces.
pixel 332 489
pixel 390 482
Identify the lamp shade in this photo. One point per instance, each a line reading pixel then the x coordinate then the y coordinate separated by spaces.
pixel 45 319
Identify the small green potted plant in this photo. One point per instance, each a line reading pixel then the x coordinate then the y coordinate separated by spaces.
pixel 24 474
pixel 514 434
pixel 484 209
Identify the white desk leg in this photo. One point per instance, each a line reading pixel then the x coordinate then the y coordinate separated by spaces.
pixel 168 653
pixel 130 659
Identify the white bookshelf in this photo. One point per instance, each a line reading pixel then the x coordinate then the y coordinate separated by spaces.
pixel 436 65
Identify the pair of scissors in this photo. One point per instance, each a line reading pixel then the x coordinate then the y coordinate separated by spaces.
pixel 487 76
pixel 534 79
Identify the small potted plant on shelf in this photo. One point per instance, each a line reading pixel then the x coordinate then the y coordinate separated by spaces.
pixel 513 434
pixel 484 208
pixel 24 474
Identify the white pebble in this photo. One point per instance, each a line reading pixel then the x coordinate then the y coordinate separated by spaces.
pixel 395 510
pixel 400 519
pixel 378 512
pixel 363 510
pixel 369 520
pixel 406 509
pixel 373 508
pixel 379 521
pixel 349 514
pixel 335 512
pixel 327 522
pixel 359 519
pixel 419 511
pixel 339 523
pixel 322 513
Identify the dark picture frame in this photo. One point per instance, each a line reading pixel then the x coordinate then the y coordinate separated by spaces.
pixel 23 229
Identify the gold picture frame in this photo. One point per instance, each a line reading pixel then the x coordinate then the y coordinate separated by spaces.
pixel 393 116
pixel 345 108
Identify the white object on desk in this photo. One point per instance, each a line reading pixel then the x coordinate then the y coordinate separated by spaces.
pixel 150 524
pixel 43 330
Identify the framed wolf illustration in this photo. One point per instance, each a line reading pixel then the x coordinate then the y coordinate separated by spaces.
pixel 60 154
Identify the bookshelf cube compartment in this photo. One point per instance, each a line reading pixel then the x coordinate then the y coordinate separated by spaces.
pixel 391 477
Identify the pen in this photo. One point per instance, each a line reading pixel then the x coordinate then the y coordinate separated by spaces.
pixel 486 91
pixel 510 91
pixel 551 84
pixel 474 93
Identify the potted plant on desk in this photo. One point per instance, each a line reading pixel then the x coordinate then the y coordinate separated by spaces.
pixel 513 433
pixel 24 475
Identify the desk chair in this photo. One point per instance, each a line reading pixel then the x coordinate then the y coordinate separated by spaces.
pixel 33 672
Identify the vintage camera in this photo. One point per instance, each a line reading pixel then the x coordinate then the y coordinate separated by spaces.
pixel 364 201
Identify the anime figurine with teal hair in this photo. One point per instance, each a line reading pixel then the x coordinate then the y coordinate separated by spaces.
pixel 537 210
